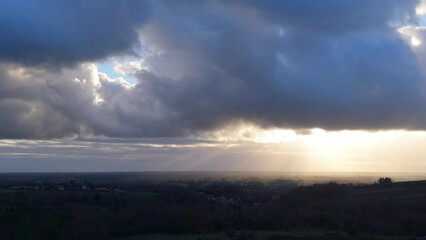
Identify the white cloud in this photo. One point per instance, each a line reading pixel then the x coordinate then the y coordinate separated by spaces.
pixel 129 68
pixel 421 8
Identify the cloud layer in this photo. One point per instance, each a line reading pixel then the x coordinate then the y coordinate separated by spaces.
pixel 204 65
pixel 62 33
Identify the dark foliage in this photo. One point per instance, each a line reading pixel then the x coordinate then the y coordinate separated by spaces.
pixel 80 209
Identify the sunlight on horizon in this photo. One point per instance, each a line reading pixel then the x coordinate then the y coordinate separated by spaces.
pixel 320 150
pixel 246 148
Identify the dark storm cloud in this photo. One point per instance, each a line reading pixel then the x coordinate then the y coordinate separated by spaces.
pixel 335 16
pixel 292 64
pixel 259 63
pixel 52 33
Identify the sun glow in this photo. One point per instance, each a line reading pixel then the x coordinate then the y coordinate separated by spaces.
pixel 412 35
pixel 415 42
pixel 274 136
pixel 319 150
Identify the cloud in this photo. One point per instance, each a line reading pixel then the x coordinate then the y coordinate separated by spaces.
pixel 206 65
pixel 276 65
pixel 128 67
pixel 318 151
pixel 59 33
pixel 334 16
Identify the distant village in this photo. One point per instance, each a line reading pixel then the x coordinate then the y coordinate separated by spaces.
pixel 86 186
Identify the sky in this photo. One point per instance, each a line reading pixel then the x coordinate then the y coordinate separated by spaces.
pixel 295 85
